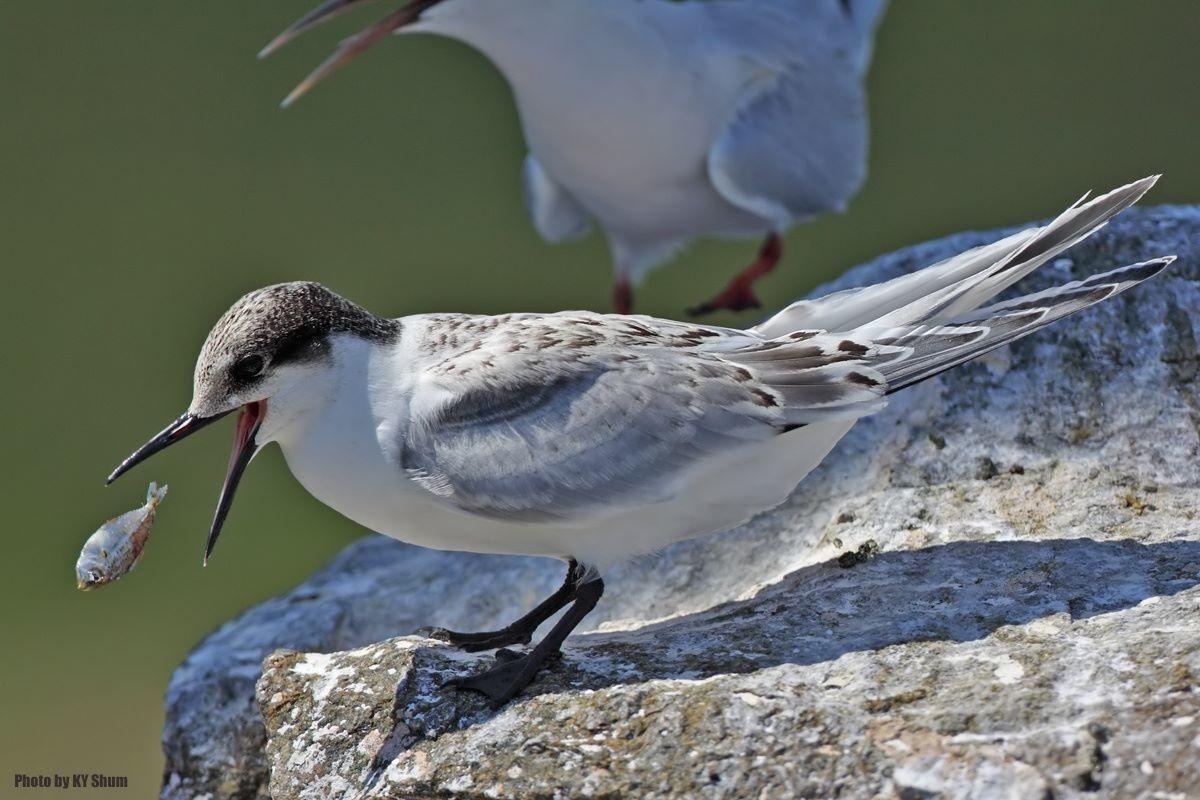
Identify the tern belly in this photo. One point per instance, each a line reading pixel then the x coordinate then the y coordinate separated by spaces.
pixel 361 484
pixel 620 102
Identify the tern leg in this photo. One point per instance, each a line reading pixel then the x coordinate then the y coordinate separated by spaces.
pixel 512 674
pixel 519 631
pixel 738 295
pixel 622 295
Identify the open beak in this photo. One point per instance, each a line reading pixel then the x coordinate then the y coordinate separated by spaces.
pixel 407 14
pixel 181 428
pixel 244 447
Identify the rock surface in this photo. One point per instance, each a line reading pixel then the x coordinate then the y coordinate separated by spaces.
pixel 1029 629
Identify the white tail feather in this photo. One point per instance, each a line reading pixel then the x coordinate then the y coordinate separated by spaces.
pixel 958 284
pixel 1001 323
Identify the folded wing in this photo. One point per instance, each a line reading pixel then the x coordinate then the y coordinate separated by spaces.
pixel 558 417
pixel 551 419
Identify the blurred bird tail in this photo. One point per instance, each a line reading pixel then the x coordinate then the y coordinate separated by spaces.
pixel 959 284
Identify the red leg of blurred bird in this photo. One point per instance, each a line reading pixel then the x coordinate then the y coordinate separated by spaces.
pixel 739 294
pixel 622 296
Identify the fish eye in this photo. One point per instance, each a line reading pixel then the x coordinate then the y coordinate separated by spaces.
pixel 248 367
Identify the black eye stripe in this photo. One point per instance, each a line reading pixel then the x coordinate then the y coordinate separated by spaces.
pixel 249 367
pixel 304 344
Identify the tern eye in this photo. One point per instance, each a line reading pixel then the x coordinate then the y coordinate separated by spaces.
pixel 249 367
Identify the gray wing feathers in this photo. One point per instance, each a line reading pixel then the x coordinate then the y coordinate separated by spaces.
pixel 863 17
pixel 916 326
pixel 821 376
pixel 797 146
pixel 873 362
pixel 536 418
pixel 850 308
pixel 934 349
pixel 1121 279
pixel 540 451
pixel 1065 231
pixel 567 416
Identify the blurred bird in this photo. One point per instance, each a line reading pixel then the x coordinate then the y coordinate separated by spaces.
pixel 665 120
pixel 595 438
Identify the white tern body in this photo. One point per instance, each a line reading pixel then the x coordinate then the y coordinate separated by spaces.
pixel 665 120
pixel 601 437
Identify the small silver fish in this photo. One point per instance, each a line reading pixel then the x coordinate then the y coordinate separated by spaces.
pixel 114 549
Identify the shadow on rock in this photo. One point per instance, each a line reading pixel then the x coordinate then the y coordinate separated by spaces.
pixel 955 592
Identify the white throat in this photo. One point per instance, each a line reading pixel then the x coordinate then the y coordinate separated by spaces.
pixel 337 435
pixel 334 396
pixel 498 27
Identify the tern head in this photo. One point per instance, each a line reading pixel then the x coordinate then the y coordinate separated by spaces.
pixel 269 357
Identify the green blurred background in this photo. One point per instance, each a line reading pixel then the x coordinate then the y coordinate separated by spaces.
pixel 147 179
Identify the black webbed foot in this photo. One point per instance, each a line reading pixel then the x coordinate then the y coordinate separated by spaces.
pixel 504 655
pixel 520 631
pixel 512 671
pixel 501 683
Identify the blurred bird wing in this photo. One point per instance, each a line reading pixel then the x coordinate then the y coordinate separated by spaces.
pixel 797 144
pixel 556 417
pixel 775 31
pixel 556 213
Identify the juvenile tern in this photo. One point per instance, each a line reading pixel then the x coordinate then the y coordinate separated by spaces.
pixel 595 438
pixel 665 120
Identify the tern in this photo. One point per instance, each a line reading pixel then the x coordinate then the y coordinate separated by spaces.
pixel 594 438
pixel 665 120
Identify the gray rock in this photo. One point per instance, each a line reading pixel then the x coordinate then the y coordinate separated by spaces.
pixel 1029 628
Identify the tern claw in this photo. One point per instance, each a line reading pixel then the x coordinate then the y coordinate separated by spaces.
pixel 475 642
pixel 504 655
pixel 512 673
pixel 734 298
pixel 739 294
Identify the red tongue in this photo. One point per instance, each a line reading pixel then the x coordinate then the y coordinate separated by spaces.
pixel 243 450
pixel 246 422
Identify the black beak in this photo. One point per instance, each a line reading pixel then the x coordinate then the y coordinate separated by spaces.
pixel 406 15
pixel 181 428
pixel 244 448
